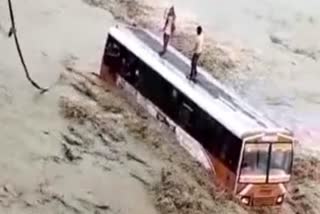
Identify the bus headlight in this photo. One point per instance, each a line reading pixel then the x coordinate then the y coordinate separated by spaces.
pixel 245 200
pixel 279 199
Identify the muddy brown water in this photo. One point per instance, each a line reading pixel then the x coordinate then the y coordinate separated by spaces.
pixel 44 171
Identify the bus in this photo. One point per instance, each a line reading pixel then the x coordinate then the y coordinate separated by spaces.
pixel 250 155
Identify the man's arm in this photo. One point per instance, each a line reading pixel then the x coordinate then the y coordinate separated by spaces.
pixel 165 16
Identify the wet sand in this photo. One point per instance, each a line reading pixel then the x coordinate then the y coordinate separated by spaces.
pixel 83 147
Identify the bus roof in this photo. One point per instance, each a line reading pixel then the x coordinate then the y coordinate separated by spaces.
pixel 214 98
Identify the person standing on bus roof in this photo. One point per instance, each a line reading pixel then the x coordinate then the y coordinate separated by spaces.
pixel 168 29
pixel 196 53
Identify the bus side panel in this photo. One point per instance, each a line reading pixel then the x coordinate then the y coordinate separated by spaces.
pixel 225 176
pixel 186 141
pixel 195 132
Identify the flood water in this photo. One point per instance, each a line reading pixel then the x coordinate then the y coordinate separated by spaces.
pixel 49 33
pixel 285 85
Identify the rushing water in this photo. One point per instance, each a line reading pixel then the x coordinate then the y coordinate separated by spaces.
pixel 285 85
pixel 50 33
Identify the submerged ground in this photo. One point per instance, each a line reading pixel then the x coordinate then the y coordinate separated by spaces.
pixel 83 147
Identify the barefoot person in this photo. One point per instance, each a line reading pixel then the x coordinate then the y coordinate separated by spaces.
pixel 196 53
pixel 168 29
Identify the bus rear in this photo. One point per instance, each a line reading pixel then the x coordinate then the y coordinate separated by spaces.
pixel 265 169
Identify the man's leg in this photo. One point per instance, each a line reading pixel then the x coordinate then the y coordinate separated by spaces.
pixel 166 39
pixel 196 65
pixel 193 66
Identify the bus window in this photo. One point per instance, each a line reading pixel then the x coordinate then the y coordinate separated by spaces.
pixel 186 115
pixel 168 97
pixel 280 162
pixel 143 85
pixel 254 166
pixel 174 94
pixel 173 101
pixel 112 52
pixel 130 68
pixel 203 130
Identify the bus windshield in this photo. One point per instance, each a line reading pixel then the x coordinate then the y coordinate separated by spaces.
pixel 280 162
pixel 266 162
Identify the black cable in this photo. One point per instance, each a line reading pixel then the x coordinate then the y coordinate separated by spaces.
pixel 14 32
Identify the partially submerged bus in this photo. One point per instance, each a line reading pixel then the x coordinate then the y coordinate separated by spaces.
pixel 247 153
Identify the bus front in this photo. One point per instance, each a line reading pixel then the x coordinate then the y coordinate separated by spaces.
pixel 265 170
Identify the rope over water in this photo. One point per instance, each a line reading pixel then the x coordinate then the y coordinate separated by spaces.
pixel 14 32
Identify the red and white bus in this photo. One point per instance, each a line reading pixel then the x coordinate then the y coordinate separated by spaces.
pixel 249 154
